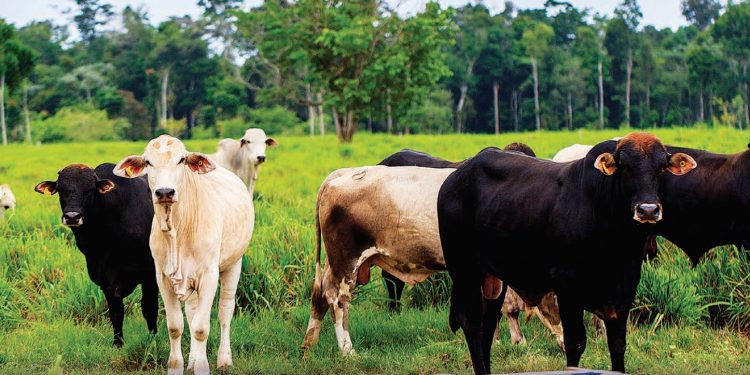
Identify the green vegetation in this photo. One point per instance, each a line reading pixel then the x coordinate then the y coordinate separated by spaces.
pixel 686 320
pixel 359 65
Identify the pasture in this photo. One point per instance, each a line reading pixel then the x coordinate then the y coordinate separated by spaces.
pixel 52 317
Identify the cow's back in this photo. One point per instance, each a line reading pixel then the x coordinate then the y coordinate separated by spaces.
pixel 391 208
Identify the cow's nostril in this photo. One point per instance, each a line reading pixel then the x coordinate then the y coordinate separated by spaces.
pixel 164 193
pixel 261 158
pixel 648 210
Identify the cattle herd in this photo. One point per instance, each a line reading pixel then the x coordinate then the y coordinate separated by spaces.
pixel 514 232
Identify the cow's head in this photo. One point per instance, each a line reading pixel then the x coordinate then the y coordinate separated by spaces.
pixel 168 165
pixel 7 199
pixel 253 145
pixel 78 186
pixel 639 159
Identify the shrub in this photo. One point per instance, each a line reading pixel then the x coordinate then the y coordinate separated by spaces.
pixel 79 124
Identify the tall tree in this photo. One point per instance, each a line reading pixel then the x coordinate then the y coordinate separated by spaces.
pixel 703 65
pixel 16 64
pixel 630 14
pixel 732 30
pixel 536 41
pixel 220 23
pixel 90 15
pixel 700 13
pixel 473 23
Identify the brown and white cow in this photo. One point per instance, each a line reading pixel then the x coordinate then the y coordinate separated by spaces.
pixel 245 156
pixel 7 199
pixel 203 223
pixel 384 216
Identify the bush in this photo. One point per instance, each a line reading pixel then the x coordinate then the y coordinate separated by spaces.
pixel 79 124
pixel 273 120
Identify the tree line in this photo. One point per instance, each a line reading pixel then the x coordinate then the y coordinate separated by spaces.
pixel 312 66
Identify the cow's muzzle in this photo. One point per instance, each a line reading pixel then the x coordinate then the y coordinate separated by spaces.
pixel 72 219
pixel 165 196
pixel 647 213
pixel 261 159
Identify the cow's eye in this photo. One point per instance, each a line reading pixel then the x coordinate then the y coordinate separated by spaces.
pixel 149 163
pixel 181 160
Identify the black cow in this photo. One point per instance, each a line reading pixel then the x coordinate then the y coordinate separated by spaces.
pixel 542 226
pixel 412 158
pixel 111 219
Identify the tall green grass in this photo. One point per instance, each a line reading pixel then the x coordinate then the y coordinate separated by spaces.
pixel 46 296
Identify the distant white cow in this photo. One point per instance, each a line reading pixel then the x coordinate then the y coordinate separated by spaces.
pixel 203 223
pixel 575 152
pixel 7 199
pixel 245 156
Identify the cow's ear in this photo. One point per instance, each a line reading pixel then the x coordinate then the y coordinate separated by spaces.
pixel 46 188
pixel 199 163
pixel 270 142
pixel 131 167
pixel 105 186
pixel 606 163
pixel 681 163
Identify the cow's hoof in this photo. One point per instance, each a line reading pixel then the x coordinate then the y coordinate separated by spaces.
pixel 117 343
pixel 223 363
pixel 201 367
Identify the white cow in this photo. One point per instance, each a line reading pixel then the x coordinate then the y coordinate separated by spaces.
pixel 203 223
pixel 574 152
pixel 245 156
pixel 7 199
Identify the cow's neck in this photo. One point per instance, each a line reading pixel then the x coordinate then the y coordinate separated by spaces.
pixel 246 170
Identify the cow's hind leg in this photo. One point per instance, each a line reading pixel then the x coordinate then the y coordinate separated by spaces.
pixel 466 313
pixel 175 325
pixel 491 314
pixel 116 316
pixel 318 309
pixel 339 300
pixel 228 279
pixel 395 288
pixel 150 304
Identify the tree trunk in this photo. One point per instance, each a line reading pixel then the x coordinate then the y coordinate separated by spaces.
pixel 711 105
pixel 310 109
pixel 601 96
pixel 460 109
pixel 350 126
pixel 496 102
pixel 648 103
pixel 514 109
pixel 744 79
pixel 536 93
pixel 2 108
pixel 321 117
pixel 337 123
pixel 629 72
pixel 164 85
pixel 389 120
pixel 570 111
pixel 26 111
pixel 700 112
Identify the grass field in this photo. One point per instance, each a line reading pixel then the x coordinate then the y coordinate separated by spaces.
pixel 686 320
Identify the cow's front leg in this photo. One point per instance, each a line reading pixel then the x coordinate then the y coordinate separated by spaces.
pixel 616 340
pixel 200 323
pixel 116 315
pixel 229 280
pixel 150 304
pixel 175 324
pixel 574 332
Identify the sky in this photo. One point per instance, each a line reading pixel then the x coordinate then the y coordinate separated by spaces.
pixel 660 13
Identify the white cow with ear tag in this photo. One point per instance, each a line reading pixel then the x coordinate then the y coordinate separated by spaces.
pixel 245 156
pixel 203 223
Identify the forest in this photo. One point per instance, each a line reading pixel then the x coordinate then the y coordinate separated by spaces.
pixel 317 66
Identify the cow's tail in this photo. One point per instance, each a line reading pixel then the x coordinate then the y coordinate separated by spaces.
pixel 317 292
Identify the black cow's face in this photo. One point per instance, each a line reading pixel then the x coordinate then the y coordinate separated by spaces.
pixel 639 159
pixel 77 185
